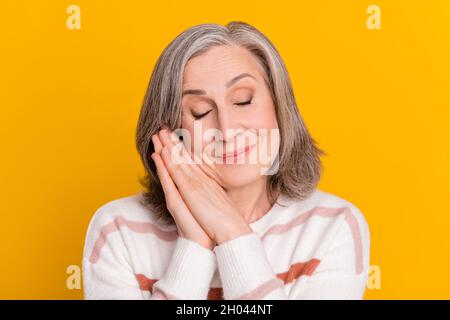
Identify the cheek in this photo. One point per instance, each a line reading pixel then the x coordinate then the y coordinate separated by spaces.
pixel 269 137
pixel 266 116
pixel 269 117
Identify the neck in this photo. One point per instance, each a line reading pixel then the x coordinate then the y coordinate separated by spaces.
pixel 251 200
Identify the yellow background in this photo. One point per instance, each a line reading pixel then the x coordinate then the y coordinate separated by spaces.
pixel 376 100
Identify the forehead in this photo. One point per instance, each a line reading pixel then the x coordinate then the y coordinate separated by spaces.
pixel 219 64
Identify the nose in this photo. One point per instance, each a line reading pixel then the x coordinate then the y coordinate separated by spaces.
pixel 228 124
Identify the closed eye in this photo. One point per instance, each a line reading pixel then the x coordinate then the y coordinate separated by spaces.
pixel 199 116
pixel 244 103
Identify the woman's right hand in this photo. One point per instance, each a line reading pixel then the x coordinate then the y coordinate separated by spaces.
pixel 188 227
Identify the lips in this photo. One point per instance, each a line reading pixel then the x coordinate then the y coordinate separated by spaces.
pixel 237 152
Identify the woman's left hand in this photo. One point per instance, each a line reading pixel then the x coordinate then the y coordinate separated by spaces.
pixel 206 199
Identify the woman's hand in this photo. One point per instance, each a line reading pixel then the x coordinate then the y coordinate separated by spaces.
pixel 202 196
pixel 188 227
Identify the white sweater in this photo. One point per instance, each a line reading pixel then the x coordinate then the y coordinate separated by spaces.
pixel 317 248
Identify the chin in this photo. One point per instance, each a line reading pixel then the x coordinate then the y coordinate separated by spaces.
pixel 236 176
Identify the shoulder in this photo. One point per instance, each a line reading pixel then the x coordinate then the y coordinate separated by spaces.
pixel 332 206
pixel 322 204
pixel 334 222
pixel 352 234
pixel 113 219
pixel 127 208
pixel 334 203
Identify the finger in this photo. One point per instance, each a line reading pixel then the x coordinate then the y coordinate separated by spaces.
pixel 171 193
pixel 174 166
pixel 187 174
pixel 167 184
pixel 191 163
pixel 157 143
pixel 168 138
pixel 194 165
pixel 178 152
pixel 174 201
pixel 204 162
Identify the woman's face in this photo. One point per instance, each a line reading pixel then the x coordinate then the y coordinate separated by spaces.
pixel 229 115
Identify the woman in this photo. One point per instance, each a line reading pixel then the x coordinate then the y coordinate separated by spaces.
pixel 232 209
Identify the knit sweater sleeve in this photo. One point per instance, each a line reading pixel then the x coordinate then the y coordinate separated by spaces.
pixel 108 273
pixel 246 272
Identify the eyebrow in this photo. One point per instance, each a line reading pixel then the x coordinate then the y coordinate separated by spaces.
pixel 228 84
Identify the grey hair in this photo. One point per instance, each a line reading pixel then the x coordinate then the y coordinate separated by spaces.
pixel 299 168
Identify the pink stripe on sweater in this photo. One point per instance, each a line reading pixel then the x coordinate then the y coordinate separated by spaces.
pixel 294 272
pixel 146 227
pixel 326 212
pixel 298 269
pixel 135 226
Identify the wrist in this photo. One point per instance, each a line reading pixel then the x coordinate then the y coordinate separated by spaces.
pixel 232 232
